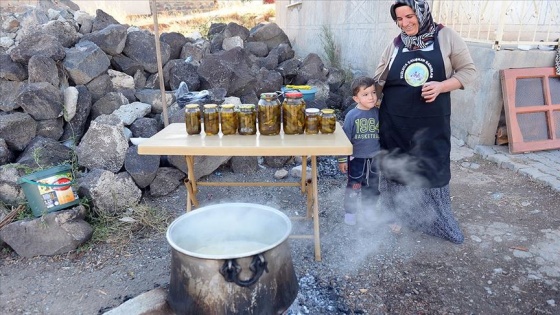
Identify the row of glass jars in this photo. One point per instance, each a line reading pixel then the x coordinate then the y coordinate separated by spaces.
pixel 271 113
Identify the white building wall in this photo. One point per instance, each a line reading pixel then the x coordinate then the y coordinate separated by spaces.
pixel 361 29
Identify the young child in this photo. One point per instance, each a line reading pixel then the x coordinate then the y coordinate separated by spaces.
pixel 361 126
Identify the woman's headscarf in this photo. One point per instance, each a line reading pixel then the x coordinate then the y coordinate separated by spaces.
pixel 426 27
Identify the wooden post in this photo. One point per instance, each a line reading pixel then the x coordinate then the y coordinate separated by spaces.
pixel 159 63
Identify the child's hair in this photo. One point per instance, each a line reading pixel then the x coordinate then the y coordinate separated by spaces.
pixel 361 82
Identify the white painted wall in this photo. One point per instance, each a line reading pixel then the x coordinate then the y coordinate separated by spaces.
pixel 361 29
pixel 120 8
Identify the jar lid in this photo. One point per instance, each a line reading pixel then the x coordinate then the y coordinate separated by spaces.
pixel 247 106
pixel 327 111
pixel 191 106
pixel 295 94
pixel 312 110
pixel 228 106
pixel 268 95
pixel 210 105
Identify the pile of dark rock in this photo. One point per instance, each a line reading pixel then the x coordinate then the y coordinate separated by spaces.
pixel 78 89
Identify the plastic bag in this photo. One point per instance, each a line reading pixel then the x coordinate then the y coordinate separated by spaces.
pixel 185 97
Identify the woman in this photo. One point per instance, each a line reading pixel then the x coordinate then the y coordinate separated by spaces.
pixel 418 70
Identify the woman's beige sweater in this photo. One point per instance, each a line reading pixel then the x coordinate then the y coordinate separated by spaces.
pixel 456 58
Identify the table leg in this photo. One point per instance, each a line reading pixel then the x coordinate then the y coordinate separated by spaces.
pixel 303 173
pixel 315 208
pixel 190 184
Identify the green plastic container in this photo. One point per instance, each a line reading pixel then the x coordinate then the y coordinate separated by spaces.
pixel 49 190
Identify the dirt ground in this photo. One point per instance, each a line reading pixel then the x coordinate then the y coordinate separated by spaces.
pixel 508 264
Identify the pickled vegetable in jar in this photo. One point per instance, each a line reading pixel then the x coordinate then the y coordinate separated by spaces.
pixel 269 113
pixel 312 120
pixel 211 119
pixel 228 119
pixel 247 119
pixel 328 120
pixel 293 113
pixel 192 119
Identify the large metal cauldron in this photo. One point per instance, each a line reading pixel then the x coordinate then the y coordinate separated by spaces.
pixel 231 258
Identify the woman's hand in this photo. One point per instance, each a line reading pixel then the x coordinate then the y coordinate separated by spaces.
pixel 430 90
pixel 343 167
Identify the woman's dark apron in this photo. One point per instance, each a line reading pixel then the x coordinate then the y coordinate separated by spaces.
pixel 410 128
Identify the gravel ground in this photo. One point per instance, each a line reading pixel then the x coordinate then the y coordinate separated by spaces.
pixel 509 263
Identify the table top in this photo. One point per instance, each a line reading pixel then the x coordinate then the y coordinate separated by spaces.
pixel 174 140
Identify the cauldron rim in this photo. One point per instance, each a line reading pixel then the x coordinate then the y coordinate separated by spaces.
pixel 201 211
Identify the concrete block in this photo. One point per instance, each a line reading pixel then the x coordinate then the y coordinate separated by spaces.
pixel 484 150
pixel 498 159
pixel 531 172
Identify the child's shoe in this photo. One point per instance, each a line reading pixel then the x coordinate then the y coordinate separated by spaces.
pixel 350 218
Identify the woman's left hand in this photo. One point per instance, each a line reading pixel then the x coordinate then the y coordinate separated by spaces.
pixel 430 90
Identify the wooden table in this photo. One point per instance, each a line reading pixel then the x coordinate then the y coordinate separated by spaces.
pixel 174 140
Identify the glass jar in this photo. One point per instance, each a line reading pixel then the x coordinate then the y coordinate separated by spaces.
pixel 269 112
pixel 328 120
pixel 192 119
pixel 247 119
pixel 293 113
pixel 211 119
pixel 228 119
pixel 312 120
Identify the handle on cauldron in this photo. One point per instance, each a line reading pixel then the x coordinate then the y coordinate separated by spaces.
pixel 231 270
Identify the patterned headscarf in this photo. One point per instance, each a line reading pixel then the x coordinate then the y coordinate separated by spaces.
pixel 426 27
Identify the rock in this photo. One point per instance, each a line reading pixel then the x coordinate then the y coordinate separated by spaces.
pixel 203 165
pixel 127 65
pixel 71 94
pixel 110 39
pixel 52 234
pixel 10 191
pixel 128 113
pixel 142 168
pixel 232 42
pixel 276 161
pixel 197 50
pixel 100 86
pixel 50 128
pixel 44 152
pixel 37 43
pixel 233 29
pixel 151 302
pixel 140 46
pixel 153 97
pixel 85 61
pixel 109 193
pixel 6 156
pixel 144 127
pixel 176 41
pixel 177 71
pixel 11 70
pixel 166 180
pixel 280 174
pixel 17 129
pixel 296 172
pixel 108 104
pixel 41 100
pixel 244 164
pixel 8 93
pixel 75 128
pixel 312 68
pixel 104 145
pixel 63 31
pixel 271 34
pixel 258 49
pixel 102 20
